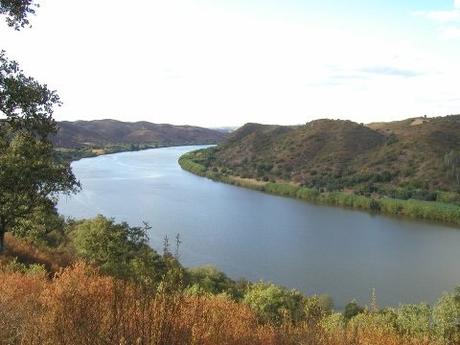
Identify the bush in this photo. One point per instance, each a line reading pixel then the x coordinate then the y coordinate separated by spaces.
pixel 352 309
pixel 446 317
pixel 274 304
pixel 118 249
pixel 209 280
pixel 414 320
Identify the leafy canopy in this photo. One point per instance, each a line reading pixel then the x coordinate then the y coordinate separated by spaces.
pixel 118 249
pixel 30 176
pixel 17 11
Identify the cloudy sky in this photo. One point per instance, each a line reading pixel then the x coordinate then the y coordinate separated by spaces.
pixel 228 62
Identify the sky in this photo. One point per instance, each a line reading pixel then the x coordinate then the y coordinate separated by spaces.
pixel 228 62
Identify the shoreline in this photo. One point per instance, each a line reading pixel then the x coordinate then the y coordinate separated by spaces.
pixel 76 155
pixel 424 211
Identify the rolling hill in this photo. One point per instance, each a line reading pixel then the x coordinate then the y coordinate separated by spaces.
pixel 102 133
pixel 411 159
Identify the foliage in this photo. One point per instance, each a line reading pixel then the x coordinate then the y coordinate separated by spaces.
pixel 209 280
pixel 17 12
pixel 43 227
pixel 16 266
pixel 85 306
pixel 30 176
pixel 275 304
pixel 352 309
pixel 414 319
pixel 452 163
pixel 118 249
pixel 317 308
pixel 446 317
pixel 81 306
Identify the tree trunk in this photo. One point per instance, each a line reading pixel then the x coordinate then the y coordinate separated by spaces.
pixel 2 235
pixel 2 239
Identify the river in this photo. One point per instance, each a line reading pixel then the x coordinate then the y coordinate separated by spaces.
pixel 245 233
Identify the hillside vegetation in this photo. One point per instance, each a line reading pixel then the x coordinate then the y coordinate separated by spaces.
pixel 347 164
pixel 97 282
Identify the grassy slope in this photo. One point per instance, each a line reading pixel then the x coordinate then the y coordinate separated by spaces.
pixel 346 164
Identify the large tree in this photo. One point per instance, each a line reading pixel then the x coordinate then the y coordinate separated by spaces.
pixel 30 176
pixel 17 12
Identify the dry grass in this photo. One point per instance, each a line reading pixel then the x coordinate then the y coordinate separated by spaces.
pixel 81 306
pixel 27 253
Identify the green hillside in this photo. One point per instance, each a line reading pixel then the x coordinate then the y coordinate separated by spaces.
pixel 416 159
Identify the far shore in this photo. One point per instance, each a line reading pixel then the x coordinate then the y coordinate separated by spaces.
pixel 426 211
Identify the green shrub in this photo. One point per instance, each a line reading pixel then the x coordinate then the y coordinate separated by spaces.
pixel 118 249
pixel 274 304
pixel 414 320
pixel 352 309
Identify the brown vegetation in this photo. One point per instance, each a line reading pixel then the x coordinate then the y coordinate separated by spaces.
pixel 81 306
pixel 27 253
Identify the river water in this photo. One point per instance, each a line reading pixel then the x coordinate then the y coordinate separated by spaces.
pixel 249 234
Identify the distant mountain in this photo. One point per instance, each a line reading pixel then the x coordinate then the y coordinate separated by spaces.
pixel 402 158
pixel 101 133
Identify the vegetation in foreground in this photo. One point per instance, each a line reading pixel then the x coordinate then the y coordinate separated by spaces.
pixel 97 282
pixel 446 208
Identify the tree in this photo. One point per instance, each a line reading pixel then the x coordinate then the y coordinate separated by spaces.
pixel 118 249
pixel 352 309
pixel 30 176
pixel 414 319
pixel 17 11
pixel 274 304
pixel 446 317
pixel 208 279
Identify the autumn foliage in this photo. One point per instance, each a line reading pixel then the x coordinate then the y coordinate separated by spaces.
pixel 82 306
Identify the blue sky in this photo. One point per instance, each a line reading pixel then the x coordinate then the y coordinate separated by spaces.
pixel 221 62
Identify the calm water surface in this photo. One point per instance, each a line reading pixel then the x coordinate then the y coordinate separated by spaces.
pixel 254 235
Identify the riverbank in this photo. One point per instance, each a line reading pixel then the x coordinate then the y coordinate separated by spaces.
pixel 71 155
pixel 416 209
pixel 75 154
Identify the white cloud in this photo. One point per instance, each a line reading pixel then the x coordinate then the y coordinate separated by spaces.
pixel 184 61
pixel 451 32
pixel 449 20
pixel 441 16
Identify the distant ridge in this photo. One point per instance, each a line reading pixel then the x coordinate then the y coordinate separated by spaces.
pixel 100 133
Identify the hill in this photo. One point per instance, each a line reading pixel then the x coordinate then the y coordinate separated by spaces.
pixel 336 154
pixel 414 159
pixel 101 133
